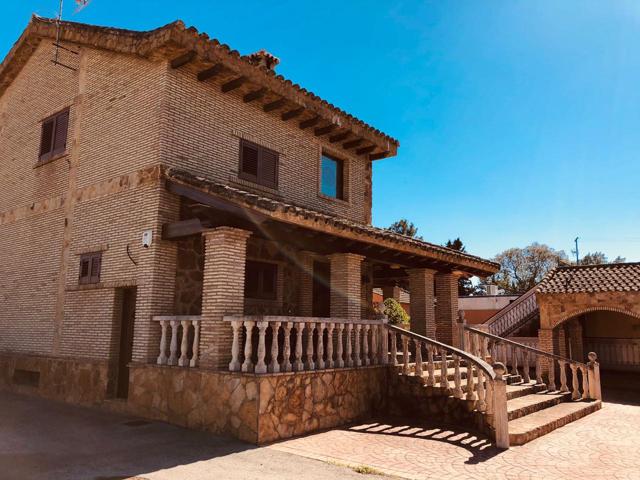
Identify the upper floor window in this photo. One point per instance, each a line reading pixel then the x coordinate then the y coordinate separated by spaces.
pixel 53 140
pixel 258 164
pixel 90 266
pixel 332 177
pixel 261 280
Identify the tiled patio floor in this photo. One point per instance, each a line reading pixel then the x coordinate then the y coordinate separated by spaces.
pixel 605 444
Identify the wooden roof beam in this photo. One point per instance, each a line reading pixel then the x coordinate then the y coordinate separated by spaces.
pixel 233 84
pixel 369 149
pixel 310 122
pixel 318 132
pixel 352 143
pixel 379 155
pixel 292 114
pixel 183 59
pixel 210 72
pixel 339 137
pixel 255 95
pixel 276 104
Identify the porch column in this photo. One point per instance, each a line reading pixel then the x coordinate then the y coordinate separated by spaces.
pixel 423 320
pixel 574 332
pixel 346 285
pixel 225 250
pixel 447 308
pixel 305 292
pixel 391 291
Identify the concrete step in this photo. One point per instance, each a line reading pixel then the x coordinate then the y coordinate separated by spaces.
pixel 528 404
pixel 522 389
pixel 534 425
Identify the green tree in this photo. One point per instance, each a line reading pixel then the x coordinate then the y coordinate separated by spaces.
pixel 395 313
pixel 465 286
pixel 523 268
pixel 405 227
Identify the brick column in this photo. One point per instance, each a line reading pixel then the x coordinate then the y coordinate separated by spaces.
pixel 423 320
pixel 225 250
pixel 305 286
pixel 574 332
pixel 346 285
pixel 391 291
pixel 447 308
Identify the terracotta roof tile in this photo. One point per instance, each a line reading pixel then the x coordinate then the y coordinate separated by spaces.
pixel 614 277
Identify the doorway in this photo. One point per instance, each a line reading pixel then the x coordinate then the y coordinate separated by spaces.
pixel 125 349
pixel 321 290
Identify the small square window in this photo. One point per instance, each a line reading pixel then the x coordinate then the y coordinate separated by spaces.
pixel 332 177
pixel 90 266
pixel 261 280
pixel 53 138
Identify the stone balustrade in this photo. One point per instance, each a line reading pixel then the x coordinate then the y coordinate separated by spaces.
pixel 484 386
pixel 514 315
pixel 179 340
pixel 272 344
pixel 523 360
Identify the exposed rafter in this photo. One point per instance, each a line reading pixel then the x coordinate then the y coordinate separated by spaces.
pixel 183 59
pixel 276 104
pixel 352 143
pixel 233 84
pixel 210 72
pixel 292 114
pixel 318 132
pixel 255 95
pixel 363 150
pixel 339 137
pixel 310 122
pixel 379 155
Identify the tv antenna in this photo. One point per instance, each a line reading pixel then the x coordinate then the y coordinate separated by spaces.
pixel 56 57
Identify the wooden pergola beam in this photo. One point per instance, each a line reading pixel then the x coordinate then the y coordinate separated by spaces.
pixel 369 149
pixel 210 72
pixel 318 132
pixel 255 95
pixel 183 59
pixel 339 137
pixel 292 114
pixel 352 143
pixel 233 84
pixel 379 155
pixel 276 104
pixel 310 122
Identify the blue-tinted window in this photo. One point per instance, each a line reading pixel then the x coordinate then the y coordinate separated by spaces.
pixel 331 182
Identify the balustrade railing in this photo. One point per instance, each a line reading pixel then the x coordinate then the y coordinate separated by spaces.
pixel 272 344
pixel 484 385
pixel 514 315
pixel 523 360
pixel 179 340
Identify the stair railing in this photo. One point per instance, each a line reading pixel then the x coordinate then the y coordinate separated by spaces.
pixel 485 383
pixel 514 315
pixel 499 349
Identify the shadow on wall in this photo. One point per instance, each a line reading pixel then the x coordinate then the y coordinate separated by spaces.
pixel 620 387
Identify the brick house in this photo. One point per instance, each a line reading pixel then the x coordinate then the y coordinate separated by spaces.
pixel 187 235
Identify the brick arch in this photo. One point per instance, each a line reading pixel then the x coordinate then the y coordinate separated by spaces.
pixel 600 308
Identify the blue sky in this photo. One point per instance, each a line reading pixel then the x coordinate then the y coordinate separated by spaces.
pixel 519 121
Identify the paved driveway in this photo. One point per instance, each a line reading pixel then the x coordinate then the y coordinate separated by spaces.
pixel 40 440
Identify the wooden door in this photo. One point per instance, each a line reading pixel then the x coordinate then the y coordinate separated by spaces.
pixel 126 341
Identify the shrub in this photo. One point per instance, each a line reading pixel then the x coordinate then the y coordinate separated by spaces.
pixel 395 313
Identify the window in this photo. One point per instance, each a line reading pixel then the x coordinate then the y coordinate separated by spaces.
pixel 90 266
pixel 332 178
pixel 261 280
pixel 258 164
pixel 53 140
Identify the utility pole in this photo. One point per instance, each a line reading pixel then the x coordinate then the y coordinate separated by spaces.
pixel 577 253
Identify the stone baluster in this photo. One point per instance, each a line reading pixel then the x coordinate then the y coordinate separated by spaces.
pixel 394 348
pixel 585 382
pixel 183 361
pixel 489 401
pixel 274 365
pixel 339 346
pixel 444 380
pixel 539 380
pixel 525 366
pixel 485 348
pixel 247 365
pixel 261 366
pixel 431 366
pixel 330 327
pixel 418 345
pixel 563 376
pixel 405 355
pixel 481 405
pixel 552 375
pixel 575 393
pixel 499 407
pixel 365 344
pixel 470 380
pixel 234 365
pixel 467 336
pixel 320 347
pixel 309 363
pixel 286 354
pixel 162 358
pixel 297 364
pixel 348 352
pixel 374 345
pixel 514 360
pixel 196 344
pixel 384 345
pixel 457 378
pixel 595 392
pixel 173 356
pixel 471 343
pixel 356 350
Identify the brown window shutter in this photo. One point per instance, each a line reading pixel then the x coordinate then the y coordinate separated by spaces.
pixel 268 174
pixel 249 161
pixel 46 139
pixel 96 264
pixel 60 137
